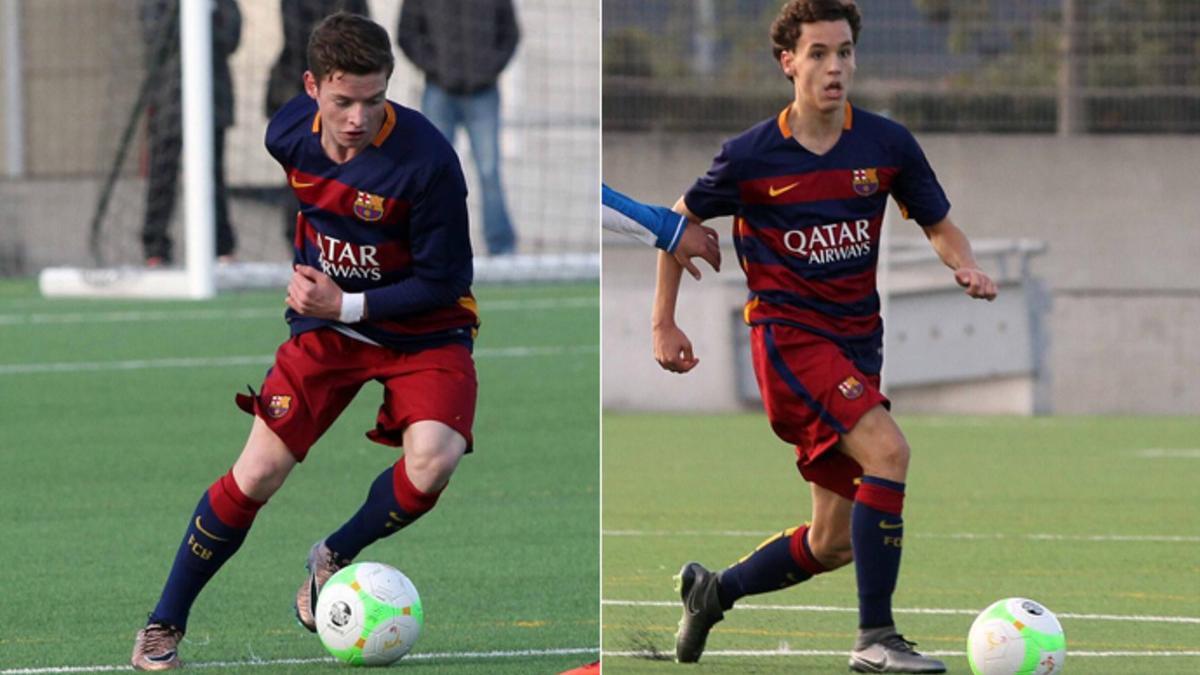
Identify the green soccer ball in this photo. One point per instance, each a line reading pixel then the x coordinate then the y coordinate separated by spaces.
pixel 1016 636
pixel 369 614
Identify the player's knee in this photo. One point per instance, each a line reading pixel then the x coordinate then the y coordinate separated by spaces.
pixel 260 480
pixel 430 468
pixel 888 458
pixel 831 548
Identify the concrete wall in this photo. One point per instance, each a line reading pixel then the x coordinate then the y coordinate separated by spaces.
pixel 1120 216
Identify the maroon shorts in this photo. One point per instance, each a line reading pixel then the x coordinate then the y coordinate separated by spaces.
pixel 813 393
pixel 317 373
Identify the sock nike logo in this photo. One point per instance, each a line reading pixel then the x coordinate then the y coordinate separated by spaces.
pixel 206 533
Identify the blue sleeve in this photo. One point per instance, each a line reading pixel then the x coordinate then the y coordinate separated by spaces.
pixel 663 223
pixel 716 193
pixel 441 251
pixel 916 188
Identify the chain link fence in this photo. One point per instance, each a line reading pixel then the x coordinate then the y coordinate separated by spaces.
pixel 1007 66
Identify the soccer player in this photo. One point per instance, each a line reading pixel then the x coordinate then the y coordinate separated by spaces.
pixel 660 227
pixel 808 190
pixel 380 291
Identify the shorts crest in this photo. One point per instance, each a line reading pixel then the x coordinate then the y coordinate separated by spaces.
pixel 851 388
pixel 279 405
pixel 866 182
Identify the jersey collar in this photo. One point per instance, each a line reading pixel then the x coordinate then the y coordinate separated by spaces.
pixel 389 123
pixel 786 130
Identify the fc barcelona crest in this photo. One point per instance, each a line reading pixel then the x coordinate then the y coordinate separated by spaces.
pixel 368 207
pixel 279 406
pixel 866 182
pixel 851 388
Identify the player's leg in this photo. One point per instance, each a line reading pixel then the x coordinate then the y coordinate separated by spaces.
pixel 481 117
pixel 781 561
pixel 877 534
pixel 428 408
pixel 404 491
pixel 215 531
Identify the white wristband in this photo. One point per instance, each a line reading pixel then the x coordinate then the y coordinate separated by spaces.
pixel 353 305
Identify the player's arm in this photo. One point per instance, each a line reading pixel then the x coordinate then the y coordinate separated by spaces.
pixel 953 247
pixel 661 227
pixel 672 348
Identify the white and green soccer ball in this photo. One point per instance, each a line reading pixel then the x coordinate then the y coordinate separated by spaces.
pixel 369 614
pixel 1016 636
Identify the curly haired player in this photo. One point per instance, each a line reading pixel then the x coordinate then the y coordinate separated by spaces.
pixel 807 190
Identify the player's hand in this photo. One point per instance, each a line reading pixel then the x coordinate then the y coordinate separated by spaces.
pixel 698 241
pixel 312 293
pixel 673 349
pixel 978 284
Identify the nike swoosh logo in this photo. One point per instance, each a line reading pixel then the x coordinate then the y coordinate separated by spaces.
pixel 206 533
pixel 885 525
pixel 298 185
pixel 776 192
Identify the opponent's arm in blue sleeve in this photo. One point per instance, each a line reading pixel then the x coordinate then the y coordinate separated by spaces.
pixel 655 225
pixel 441 251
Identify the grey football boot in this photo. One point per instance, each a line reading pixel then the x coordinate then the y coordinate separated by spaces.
pixel 322 564
pixel 702 609
pixel 883 650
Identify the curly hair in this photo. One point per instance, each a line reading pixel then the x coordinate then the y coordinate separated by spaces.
pixel 349 43
pixel 785 30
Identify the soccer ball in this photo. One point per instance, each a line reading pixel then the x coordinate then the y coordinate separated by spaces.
pixel 369 614
pixel 1016 636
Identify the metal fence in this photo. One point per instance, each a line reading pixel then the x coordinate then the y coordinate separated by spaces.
pixel 1020 66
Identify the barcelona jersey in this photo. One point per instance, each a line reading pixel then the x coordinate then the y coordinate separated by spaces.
pixel 390 223
pixel 807 226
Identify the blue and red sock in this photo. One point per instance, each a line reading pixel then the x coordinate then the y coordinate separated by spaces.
pixel 877 533
pixel 392 504
pixel 779 562
pixel 214 533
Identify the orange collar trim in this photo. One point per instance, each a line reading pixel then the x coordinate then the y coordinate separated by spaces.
pixel 389 123
pixel 847 123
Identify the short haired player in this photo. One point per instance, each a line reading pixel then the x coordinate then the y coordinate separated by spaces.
pixel 380 291
pixel 807 190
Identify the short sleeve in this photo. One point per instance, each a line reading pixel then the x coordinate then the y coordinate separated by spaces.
pixel 716 192
pixel 916 188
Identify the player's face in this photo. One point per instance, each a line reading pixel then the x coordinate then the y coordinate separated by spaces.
pixel 822 65
pixel 352 107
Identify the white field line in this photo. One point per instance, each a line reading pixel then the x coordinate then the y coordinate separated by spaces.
pixel 261 360
pixel 1169 453
pixel 1072 653
pixel 517 653
pixel 1136 618
pixel 250 313
pixel 1158 538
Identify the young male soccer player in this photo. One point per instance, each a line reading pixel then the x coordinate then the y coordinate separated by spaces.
pixel 381 291
pixel 660 227
pixel 808 190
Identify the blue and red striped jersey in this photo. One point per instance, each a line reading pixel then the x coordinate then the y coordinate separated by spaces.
pixel 807 226
pixel 391 222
